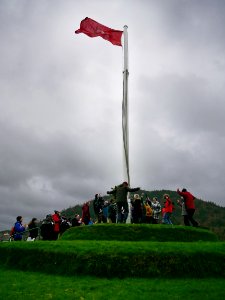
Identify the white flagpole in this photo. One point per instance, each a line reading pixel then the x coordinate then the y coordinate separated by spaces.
pixel 125 119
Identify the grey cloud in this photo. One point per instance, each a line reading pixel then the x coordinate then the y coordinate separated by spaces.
pixel 61 94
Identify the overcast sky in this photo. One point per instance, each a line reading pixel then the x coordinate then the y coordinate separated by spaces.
pixel 61 97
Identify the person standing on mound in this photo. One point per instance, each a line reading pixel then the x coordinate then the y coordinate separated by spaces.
pixel 86 213
pixel 137 209
pixel 19 229
pixel 33 229
pixel 57 221
pixel 120 194
pixel 189 204
pixel 168 210
pixel 181 203
pixel 156 207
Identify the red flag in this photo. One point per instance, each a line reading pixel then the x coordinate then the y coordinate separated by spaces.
pixel 93 29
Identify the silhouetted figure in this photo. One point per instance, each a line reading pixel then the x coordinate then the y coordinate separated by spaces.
pixel 46 228
pixel 33 228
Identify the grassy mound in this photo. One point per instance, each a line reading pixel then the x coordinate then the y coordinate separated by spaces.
pixel 122 251
pixel 142 232
pixel 117 259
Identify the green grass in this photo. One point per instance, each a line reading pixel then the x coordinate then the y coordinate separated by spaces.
pixel 31 286
pixel 115 258
pixel 116 262
pixel 142 232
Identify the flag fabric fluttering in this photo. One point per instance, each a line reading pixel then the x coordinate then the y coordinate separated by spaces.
pixel 94 29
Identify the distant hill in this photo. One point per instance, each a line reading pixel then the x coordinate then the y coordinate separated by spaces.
pixel 208 214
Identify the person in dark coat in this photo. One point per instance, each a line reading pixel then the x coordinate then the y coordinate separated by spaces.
pixel 137 209
pixel 112 210
pixel 47 232
pixel 65 224
pixel 98 205
pixel 120 193
pixel 76 221
pixel 33 228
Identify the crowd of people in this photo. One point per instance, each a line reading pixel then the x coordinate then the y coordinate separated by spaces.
pixel 138 208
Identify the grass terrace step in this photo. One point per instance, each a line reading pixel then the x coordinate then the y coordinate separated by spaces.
pixel 142 232
pixel 117 259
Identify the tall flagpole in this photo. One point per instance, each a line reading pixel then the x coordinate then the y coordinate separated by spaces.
pixel 125 119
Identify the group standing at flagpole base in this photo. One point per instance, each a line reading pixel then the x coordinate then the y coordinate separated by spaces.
pixel 113 208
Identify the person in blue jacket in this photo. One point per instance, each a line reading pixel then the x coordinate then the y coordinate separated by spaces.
pixel 18 229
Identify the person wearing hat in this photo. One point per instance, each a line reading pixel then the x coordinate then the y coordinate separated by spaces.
pixel 57 221
pixel 120 194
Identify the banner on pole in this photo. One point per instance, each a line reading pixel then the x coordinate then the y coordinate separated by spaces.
pixel 94 29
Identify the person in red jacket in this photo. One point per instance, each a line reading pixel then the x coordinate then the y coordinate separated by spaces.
pixel 56 227
pixel 86 213
pixel 168 209
pixel 189 205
